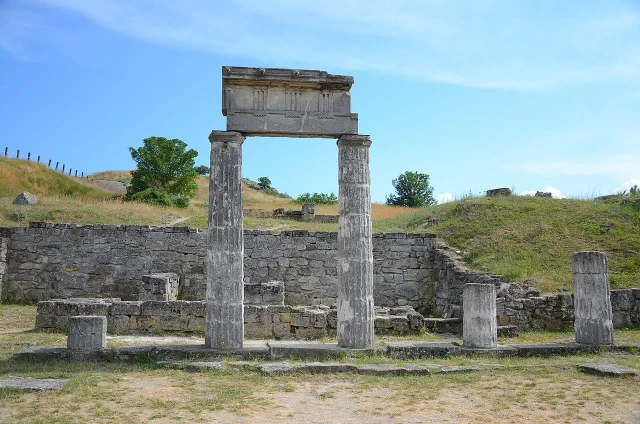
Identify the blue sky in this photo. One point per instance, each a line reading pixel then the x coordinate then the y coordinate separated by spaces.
pixel 540 95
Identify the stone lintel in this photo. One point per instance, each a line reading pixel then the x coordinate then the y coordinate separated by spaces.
pixel 276 102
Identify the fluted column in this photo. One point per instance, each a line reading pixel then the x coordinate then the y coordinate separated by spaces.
pixel 224 322
pixel 355 254
pixel 592 298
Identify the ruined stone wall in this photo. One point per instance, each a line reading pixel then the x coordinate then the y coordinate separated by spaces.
pixel 47 261
pixel 555 312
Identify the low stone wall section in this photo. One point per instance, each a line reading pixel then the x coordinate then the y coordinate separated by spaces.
pixel 555 312
pixel 46 261
pixel 261 322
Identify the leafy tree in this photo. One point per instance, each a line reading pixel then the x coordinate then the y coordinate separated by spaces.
pixel 202 170
pixel 317 198
pixel 264 182
pixel 164 165
pixel 412 189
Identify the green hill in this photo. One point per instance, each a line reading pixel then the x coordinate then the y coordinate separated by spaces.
pixel 533 237
pixel 516 236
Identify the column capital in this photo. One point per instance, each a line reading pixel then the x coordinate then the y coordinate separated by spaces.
pixel 226 137
pixel 354 140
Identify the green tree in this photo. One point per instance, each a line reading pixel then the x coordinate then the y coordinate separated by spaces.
pixel 264 182
pixel 412 189
pixel 164 165
pixel 202 170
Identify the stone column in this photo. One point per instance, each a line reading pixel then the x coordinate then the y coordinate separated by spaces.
pixel 479 326
pixel 224 322
pixel 592 299
pixel 355 253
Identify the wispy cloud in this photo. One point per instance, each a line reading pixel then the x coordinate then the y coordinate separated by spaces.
pixel 626 186
pixel 444 198
pixel 489 44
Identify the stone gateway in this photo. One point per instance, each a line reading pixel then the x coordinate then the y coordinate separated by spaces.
pixel 288 103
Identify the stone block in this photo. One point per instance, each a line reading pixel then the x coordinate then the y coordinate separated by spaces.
pixel 87 333
pixel 160 286
pixel 126 308
pixel 287 102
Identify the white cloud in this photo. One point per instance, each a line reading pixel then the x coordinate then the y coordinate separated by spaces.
pixel 625 186
pixel 555 193
pixel 487 44
pixel 444 198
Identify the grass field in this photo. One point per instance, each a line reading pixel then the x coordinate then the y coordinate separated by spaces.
pixel 516 236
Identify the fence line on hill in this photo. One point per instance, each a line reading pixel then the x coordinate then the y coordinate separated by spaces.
pixel 62 170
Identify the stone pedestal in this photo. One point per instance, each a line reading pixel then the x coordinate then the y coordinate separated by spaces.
pixel 592 298
pixel 479 326
pixel 355 254
pixel 224 325
pixel 87 333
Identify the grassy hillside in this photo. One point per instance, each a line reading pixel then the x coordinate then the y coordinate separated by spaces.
pixel 519 237
pixel 533 237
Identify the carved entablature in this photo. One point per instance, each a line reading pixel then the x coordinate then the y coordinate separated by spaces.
pixel 287 102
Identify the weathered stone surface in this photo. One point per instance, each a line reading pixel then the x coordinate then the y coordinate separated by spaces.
pixel 160 286
pixel 287 102
pixel 269 293
pixel 326 368
pixel 109 261
pixel 592 298
pixel 494 352
pixel 224 323
pixel 166 352
pixel 355 251
pixel 418 350
pixel 479 328
pixel 199 366
pixel 508 331
pixel 25 198
pixel 391 369
pixel 276 368
pixel 87 333
pixel 498 192
pixel 306 351
pixel 550 349
pixel 608 370
pixel 543 194
pixel 33 384
pixel 457 369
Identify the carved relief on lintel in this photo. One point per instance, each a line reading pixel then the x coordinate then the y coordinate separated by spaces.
pixel 298 103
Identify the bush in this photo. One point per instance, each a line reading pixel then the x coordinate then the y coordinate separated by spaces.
pixel 159 197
